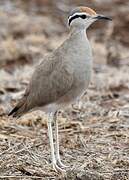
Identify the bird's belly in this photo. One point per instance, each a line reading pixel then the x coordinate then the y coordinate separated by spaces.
pixel 77 90
pixel 74 94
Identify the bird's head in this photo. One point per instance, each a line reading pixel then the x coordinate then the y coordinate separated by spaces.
pixel 83 17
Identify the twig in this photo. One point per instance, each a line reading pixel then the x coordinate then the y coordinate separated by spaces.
pixel 32 177
pixel 114 171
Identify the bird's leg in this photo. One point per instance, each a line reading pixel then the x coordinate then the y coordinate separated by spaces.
pixel 50 134
pixel 57 142
pixel 80 104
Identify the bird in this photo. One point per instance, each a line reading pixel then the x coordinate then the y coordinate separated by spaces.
pixel 62 77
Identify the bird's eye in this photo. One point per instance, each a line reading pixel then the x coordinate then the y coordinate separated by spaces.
pixel 83 16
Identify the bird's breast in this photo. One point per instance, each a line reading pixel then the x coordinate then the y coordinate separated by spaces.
pixel 82 73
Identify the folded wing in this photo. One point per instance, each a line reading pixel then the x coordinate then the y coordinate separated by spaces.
pixel 52 79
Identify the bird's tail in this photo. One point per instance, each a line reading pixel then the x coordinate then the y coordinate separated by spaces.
pixel 13 112
pixel 19 109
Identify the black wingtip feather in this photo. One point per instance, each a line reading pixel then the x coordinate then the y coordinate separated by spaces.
pixel 13 111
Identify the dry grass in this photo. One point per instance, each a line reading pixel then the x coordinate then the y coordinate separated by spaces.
pixel 94 140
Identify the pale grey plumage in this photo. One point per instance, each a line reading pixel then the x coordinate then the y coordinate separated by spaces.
pixel 73 11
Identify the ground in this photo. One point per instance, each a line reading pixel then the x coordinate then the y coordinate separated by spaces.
pixel 94 139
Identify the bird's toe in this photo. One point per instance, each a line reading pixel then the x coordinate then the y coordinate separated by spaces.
pixel 61 164
pixel 57 168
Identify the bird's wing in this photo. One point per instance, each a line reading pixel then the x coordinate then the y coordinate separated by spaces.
pixel 52 79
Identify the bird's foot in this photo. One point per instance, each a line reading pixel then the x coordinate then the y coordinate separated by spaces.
pixel 61 164
pixel 57 168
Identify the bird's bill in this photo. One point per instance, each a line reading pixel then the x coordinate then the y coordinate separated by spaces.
pixel 102 17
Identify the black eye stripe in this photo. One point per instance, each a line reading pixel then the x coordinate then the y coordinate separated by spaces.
pixel 77 16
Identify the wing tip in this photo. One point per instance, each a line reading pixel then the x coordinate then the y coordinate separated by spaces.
pixel 13 112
